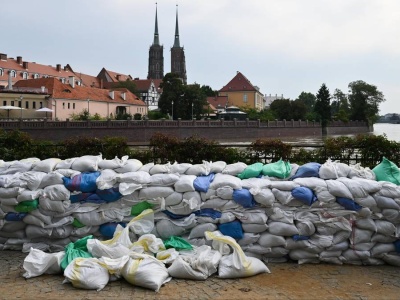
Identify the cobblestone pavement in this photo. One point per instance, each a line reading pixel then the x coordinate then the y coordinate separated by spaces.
pixel 286 281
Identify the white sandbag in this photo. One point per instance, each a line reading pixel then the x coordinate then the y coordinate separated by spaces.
pixel 227 217
pixel 321 241
pixel 270 240
pixel 391 259
pixel 87 273
pixel 99 249
pixel 338 189
pixel 86 163
pixel 163 179
pixel 56 192
pixel 382 248
pixel 198 231
pixel 257 249
pixel 368 201
pixel 20 167
pixel 333 170
pixel 9 192
pixel 248 238
pixel 145 271
pixel 217 166
pixel 28 195
pixel 199 169
pixel 260 183
pixel 225 192
pixel 138 177
pixel 234 168
pixel 38 262
pixel 67 172
pixel 51 178
pixel 131 165
pixel 284 197
pixel 360 236
pixel 305 227
pixel 283 185
pixel 166 229
pixel 113 163
pixel 65 164
pixel 160 168
pixel 363 246
pixel 254 216
pixel 236 265
pixel 313 183
pixel 155 192
pixel 198 265
pixel 215 203
pixel 385 228
pixel 186 207
pixel 369 185
pixel 392 215
pixel 366 223
pixel 128 188
pixel 209 195
pixel 185 184
pixel 264 196
pixel 382 238
pixel 389 190
pixel 167 256
pixel 355 187
pixel 292 244
pixel 32 179
pixel 282 229
pixel 106 180
pixel 254 228
pixel 46 165
pixel 174 199
pixel 179 168
pixel 280 215
pixel 357 171
pixel 148 244
pixel 341 246
pixel 385 202
pixel 297 254
pixel 350 256
pixel 46 204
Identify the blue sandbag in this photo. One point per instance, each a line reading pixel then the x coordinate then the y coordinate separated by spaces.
pixel 244 198
pixel 208 212
pixel 233 229
pixel 310 169
pixel 174 216
pixel 84 182
pixel 202 183
pixel 298 237
pixel 94 198
pixel 74 198
pixel 348 203
pixel 107 229
pixel 397 246
pixel 109 195
pixel 14 216
pixel 304 194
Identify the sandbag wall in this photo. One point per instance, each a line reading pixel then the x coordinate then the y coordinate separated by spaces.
pixel 332 213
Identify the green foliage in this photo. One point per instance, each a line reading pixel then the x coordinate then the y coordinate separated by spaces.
pixel 123 116
pixel 253 114
pixel 15 145
pixel 173 89
pixel 156 115
pixel 208 91
pixel 322 105
pixel 84 115
pixel 137 116
pixel 285 109
pixel 128 84
pixel 308 99
pixel 364 101
pixel 274 149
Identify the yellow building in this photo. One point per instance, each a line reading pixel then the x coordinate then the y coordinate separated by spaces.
pixel 241 92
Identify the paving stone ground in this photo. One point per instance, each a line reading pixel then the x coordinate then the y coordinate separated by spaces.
pixel 286 281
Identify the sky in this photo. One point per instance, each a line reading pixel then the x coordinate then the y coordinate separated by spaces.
pixel 284 47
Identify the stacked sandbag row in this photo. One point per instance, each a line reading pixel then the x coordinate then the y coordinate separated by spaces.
pixel 278 211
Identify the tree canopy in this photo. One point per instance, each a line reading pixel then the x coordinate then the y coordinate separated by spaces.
pixel 323 105
pixel 128 84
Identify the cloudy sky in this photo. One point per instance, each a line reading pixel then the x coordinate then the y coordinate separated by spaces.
pixel 281 46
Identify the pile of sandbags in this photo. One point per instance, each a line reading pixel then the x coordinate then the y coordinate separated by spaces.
pixel 329 212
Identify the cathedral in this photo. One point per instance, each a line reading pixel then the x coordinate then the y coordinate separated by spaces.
pixel 156 55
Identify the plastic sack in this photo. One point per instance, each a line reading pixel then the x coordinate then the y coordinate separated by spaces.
pixel 237 264
pixel 109 195
pixel 137 209
pixel 99 249
pixel 145 271
pixel 310 169
pixel 149 244
pixel 244 198
pixel 177 243
pixel 38 262
pixel 279 169
pixel 251 171
pixel 348 204
pixel 233 229
pixel 107 229
pixel 202 183
pixel 304 194
pixel 84 182
pixel 74 250
pixel 387 171
pixel 87 273
pixel 27 206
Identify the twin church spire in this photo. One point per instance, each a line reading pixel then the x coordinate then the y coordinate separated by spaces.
pixel 156 56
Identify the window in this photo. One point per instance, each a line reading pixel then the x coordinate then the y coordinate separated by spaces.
pixel 1 72
pixel 26 104
pixel 36 75
pixel 62 80
pixel 13 73
pixel 25 75
pixel 63 105
pixel 12 103
pixel 245 98
pixel 73 105
pixel 41 104
pixel 4 102
pixel 69 105
pixel 34 104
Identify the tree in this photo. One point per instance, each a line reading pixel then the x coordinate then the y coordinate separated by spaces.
pixel 281 109
pixel 128 84
pixel 322 106
pixel 308 99
pixel 194 101
pixel 173 92
pixel 299 110
pixel 208 91
pixel 364 101
pixel 340 106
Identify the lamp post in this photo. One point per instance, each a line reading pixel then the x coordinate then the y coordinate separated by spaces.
pixel 172 112
pixel 192 110
pixel 88 100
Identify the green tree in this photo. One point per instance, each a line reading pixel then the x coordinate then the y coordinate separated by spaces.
pixel 173 92
pixel 208 91
pixel 323 106
pixel 308 99
pixel 281 109
pixel 364 101
pixel 128 84
pixel 195 100
pixel 299 110
pixel 340 106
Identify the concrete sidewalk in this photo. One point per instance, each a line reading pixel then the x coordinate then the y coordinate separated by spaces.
pixel 286 281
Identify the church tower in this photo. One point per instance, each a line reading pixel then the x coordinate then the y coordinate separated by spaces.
pixel 178 64
pixel 156 56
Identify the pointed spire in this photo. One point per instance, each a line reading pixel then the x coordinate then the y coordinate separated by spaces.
pixel 156 40
pixel 176 42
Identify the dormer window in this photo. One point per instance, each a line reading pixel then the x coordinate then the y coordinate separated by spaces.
pixel 1 72
pixel 36 75
pixel 62 80
pixel 45 76
pixel 24 75
pixel 13 73
pixel 66 91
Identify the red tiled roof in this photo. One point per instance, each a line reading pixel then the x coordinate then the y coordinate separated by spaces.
pixel 88 80
pixel 218 101
pixel 239 83
pixel 59 90
pixel 144 84
pixel 115 77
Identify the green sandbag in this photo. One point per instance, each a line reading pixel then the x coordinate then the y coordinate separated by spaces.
pixel 279 169
pixel 27 206
pixel 75 250
pixel 77 223
pixel 251 171
pixel 137 209
pixel 387 171
pixel 178 243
